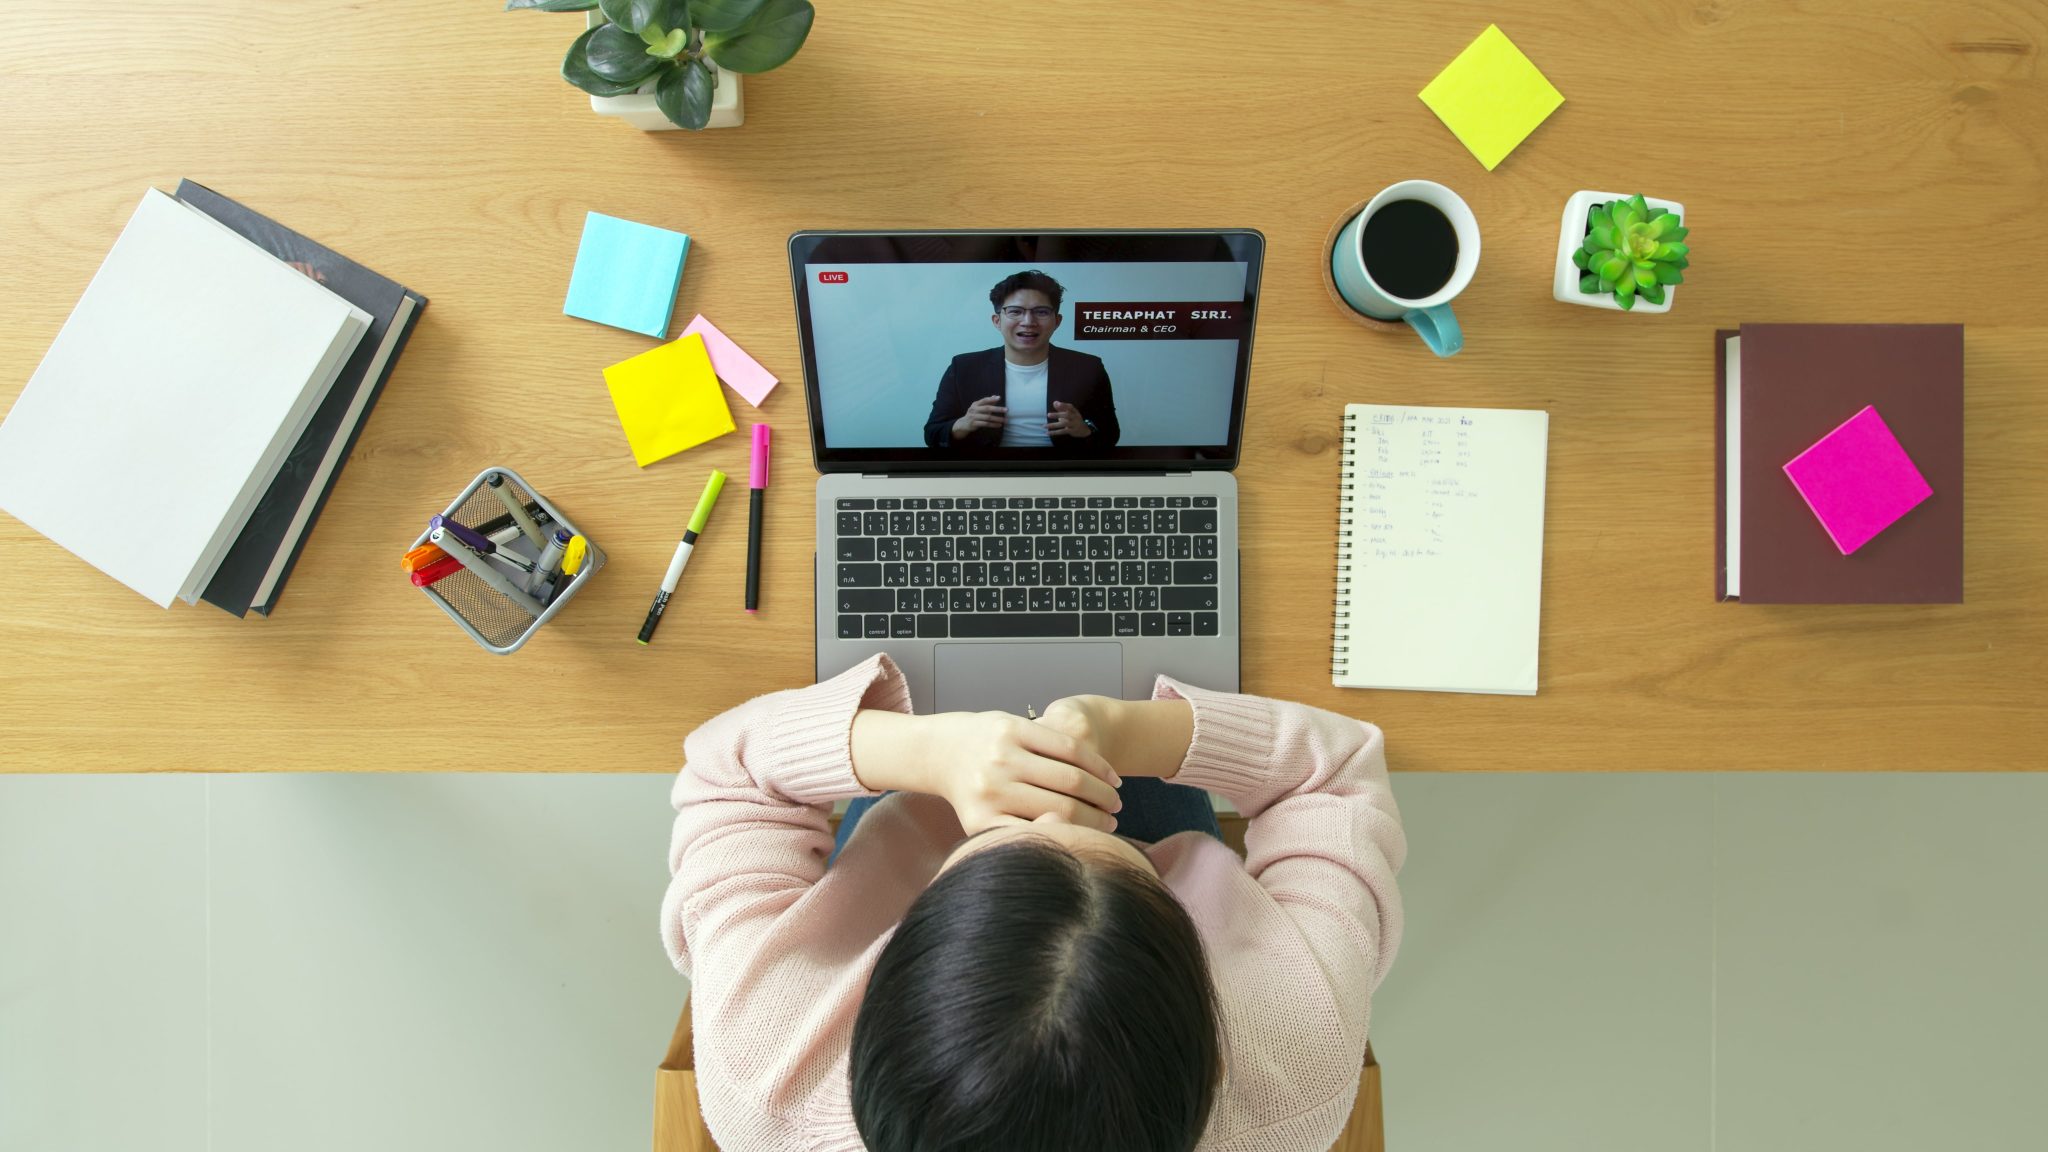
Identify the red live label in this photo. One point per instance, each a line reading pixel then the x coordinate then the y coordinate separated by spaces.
pixel 831 277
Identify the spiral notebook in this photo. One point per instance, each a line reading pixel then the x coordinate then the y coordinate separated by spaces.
pixel 1440 549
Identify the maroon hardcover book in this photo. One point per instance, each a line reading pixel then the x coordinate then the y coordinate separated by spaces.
pixel 1801 381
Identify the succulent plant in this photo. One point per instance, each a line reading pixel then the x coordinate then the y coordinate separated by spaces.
pixel 1631 250
pixel 670 41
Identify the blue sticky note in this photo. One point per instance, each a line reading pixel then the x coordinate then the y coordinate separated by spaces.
pixel 626 274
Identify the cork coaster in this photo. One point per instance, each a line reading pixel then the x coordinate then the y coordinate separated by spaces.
pixel 1330 282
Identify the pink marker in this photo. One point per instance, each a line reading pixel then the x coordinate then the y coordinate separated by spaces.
pixel 757 486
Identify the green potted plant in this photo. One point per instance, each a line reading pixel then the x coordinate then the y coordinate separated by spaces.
pixel 663 64
pixel 1626 253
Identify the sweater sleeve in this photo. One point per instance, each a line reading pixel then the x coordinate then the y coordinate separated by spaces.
pixel 753 809
pixel 1323 836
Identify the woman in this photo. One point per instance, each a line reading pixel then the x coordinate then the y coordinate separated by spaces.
pixel 988 966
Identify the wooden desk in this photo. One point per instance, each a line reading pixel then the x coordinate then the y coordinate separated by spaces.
pixel 1879 162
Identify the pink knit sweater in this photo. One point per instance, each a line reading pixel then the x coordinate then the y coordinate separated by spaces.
pixel 778 950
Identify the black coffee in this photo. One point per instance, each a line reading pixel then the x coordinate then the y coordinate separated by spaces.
pixel 1410 248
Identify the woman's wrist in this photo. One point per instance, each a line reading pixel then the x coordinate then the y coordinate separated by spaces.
pixel 888 751
pixel 1147 737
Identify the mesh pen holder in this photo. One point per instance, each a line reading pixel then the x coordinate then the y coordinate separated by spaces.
pixel 490 617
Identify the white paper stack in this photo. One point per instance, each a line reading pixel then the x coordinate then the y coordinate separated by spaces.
pixel 169 399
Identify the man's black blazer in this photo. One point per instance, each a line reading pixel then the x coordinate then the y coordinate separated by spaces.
pixel 1075 377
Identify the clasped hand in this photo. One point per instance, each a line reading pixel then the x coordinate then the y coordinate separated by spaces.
pixel 995 768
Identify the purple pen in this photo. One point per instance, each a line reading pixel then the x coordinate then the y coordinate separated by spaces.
pixel 463 532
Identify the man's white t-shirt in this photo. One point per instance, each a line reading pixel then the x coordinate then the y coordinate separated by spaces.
pixel 1024 396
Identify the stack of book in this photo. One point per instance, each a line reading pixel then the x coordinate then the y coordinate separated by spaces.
pixel 1839 464
pixel 189 421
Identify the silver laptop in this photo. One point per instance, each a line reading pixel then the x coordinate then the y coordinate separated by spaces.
pixel 1027 441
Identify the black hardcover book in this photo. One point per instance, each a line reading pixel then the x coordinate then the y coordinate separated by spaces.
pixel 256 566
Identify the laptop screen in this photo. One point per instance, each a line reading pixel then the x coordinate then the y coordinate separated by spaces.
pixel 976 351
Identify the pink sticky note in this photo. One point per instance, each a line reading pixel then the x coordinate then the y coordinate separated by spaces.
pixel 741 372
pixel 1858 480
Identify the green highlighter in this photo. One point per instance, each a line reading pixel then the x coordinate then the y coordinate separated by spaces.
pixel 712 488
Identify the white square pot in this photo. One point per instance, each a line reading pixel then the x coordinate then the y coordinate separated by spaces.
pixel 1564 282
pixel 640 111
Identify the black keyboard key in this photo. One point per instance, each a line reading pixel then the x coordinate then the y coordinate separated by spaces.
pixel 1133 573
pixel 1094 600
pixel 1205 547
pixel 1066 599
pixel 860 575
pixel 1059 522
pixel 876 628
pixel 889 548
pixel 931 627
pixel 888 503
pixel 1113 523
pixel 1034 523
pixel 946 573
pixel 1020 547
pixel 1041 599
pixel 1180 547
pixel 1080 574
pixel 1125 501
pixel 1194 572
pixel 1052 573
pixel 1020 501
pixel 1198 520
pixel 974 574
pixel 849 523
pixel 953 523
pixel 1072 502
pixel 1166 520
pixel 1205 501
pixel 1046 548
pixel 1095 624
pixel 907 599
pixel 903 627
pixel 902 523
pixel 1105 571
pixel 980 523
pixel 1120 600
pixel 1098 501
pixel 942 548
pixel 1148 599
pixel 866 600
pixel 995 548
pixel 961 599
pixel 852 548
pixel 1127 624
pixel 1152 501
pixel 1177 501
pixel 1152 624
pixel 1152 547
pixel 1101 548
pixel 942 501
pixel 979 626
pixel 1008 523
pixel 1016 600
pixel 928 523
pixel 852 505
pixel 1189 599
pixel 1139 521
pixel 921 575
pixel 914 502
pixel 1001 574
pixel 874 523
pixel 934 600
pixel 1027 574
pixel 988 599
pixel 1178 624
pixel 1073 548
pixel 969 547
pixel 1048 501
pixel 916 548
pixel 1158 572
pixel 849 627
pixel 1205 624
pixel 1088 522
pixel 967 502
pixel 895 575
pixel 1126 547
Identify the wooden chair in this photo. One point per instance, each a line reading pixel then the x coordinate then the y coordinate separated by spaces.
pixel 679 1125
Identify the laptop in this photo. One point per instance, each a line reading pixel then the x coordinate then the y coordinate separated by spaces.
pixel 1026 442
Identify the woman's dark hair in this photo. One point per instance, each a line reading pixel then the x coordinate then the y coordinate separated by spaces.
pixel 1032 281
pixel 1038 1000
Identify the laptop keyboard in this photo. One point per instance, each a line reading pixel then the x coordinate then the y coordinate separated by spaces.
pixel 1009 566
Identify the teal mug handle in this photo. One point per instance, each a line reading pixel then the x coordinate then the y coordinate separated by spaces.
pixel 1438 328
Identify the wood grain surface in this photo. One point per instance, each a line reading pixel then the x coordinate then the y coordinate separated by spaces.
pixel 1841 160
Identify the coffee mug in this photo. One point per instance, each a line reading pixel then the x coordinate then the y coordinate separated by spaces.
pixel 1411 250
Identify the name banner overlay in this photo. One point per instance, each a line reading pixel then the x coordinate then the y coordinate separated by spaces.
pixel 1171 320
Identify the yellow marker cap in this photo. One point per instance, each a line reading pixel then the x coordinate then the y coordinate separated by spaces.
pixel 572 560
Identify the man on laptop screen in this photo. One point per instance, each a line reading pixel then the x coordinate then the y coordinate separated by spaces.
pixel 1027 393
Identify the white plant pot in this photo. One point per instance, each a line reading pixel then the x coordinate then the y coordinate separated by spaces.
pixel 1564 282
pixel 640 111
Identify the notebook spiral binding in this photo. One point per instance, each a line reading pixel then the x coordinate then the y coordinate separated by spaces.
pixel 1347 482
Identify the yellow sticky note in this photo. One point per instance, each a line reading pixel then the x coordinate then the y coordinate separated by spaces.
pixel 1491 97
pixel 668 399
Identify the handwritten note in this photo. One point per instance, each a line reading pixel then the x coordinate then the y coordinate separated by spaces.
pixel 1441 573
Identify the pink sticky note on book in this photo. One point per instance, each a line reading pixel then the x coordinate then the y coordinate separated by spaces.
pixel 1858 480
pixel 741 372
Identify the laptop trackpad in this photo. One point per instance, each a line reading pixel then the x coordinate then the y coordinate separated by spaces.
pixel 1006 677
